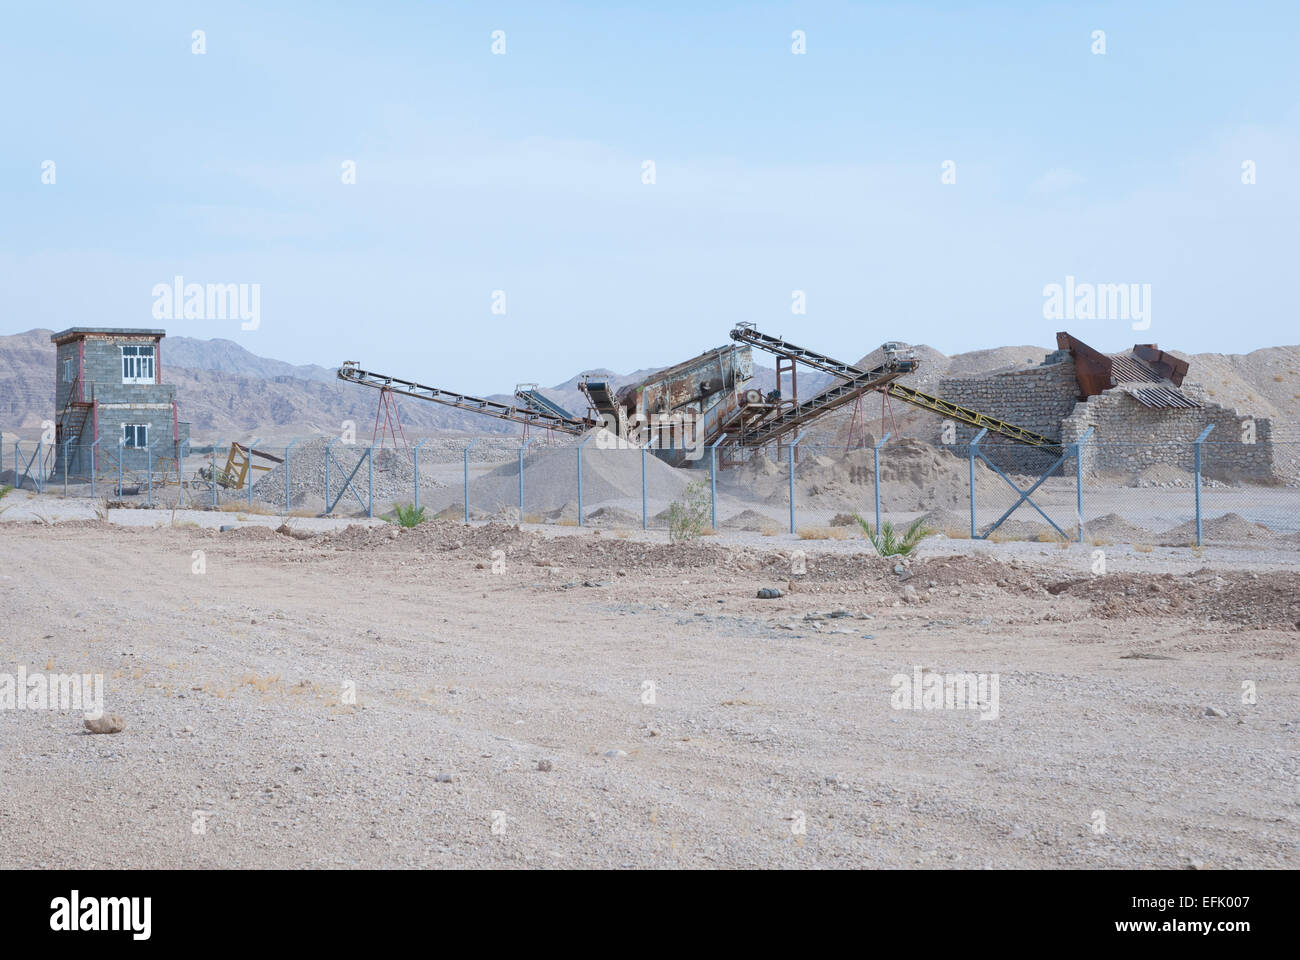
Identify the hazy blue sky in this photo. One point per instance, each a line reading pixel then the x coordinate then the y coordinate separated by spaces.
pixel 775 172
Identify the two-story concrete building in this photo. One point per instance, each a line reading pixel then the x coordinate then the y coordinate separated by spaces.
pixel 109 388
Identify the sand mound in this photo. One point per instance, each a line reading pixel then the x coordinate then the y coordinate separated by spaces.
pixel 914 475
pixel 941 520
pixel 551 479
pixel 612 517
pixel 1229 528
pixel 1115 528
pixel 750 520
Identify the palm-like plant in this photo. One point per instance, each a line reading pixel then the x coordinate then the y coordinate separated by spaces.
pixel 888 542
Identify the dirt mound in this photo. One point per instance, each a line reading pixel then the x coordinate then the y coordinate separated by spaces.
pixel 1257 600
pixel 565 514
pixel 1116 529
pixel 1163 475
pixel 914 475
pixel 430 536
pixel 612 517
pixel 255 532
pixel 1229 528
pixel 750 520
pixel 942 521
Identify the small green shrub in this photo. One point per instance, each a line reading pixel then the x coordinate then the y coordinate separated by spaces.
pixel 689 517
pixel 408 516
pixel 887 541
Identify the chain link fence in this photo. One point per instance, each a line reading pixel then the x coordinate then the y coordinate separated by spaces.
pixel 1168 494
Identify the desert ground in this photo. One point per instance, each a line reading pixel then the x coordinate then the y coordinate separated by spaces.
pixel 340 693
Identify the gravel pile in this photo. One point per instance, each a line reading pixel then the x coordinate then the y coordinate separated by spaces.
pixel 485 450
pixel 394 476
pixel 551 479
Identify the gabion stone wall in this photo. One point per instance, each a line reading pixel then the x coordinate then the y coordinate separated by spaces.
pixel 1128 437
pixel 1037 398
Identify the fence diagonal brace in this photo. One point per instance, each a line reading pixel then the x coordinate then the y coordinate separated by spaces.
pixel 347 484
pixel 1024 494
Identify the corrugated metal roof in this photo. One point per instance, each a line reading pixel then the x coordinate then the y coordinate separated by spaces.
pixel 1126 368
pixel 1160 396
pixel 1136 378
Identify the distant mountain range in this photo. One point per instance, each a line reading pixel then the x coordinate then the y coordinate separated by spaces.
pixel 228 393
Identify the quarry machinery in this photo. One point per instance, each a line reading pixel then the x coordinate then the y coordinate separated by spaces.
pixel 529 415
pixel 897 362
pixel 674 412
pixel 679 411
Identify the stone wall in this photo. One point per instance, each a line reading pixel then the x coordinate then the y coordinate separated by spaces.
pixel 1129 437
pixel 1036 398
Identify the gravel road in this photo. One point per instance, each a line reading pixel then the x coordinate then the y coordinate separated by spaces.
pixel 486 696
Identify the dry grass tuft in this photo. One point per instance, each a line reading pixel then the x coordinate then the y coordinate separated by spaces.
pixel 260 684
pixel 824 533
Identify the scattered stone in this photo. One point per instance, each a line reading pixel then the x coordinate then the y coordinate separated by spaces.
pixel 444 778
pixel 768 593
pixel 1214 712
pixel 108 723
pixel 910 595
pixel 544 766
pixel 616 753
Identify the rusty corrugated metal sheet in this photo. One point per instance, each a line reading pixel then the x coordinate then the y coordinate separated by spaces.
pixel 1126 368
pixel 1158 396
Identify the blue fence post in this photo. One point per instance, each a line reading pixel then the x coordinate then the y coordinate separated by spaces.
pixel 973 444
pixel 214 476
pixel 370 482
pixel 713 482
pixel 92 467
pixel 249 475
pixel 286 476
pixel 1197 447
pixel 644 524
pixel 1078 477
pixel 467 448
pixel 791 448
pixel 875 472
pixel 522 448
pixel 415 504
pixel 328 444
pixel 148 451
pixel 66 446
pixel 580 446
pixel 121 455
